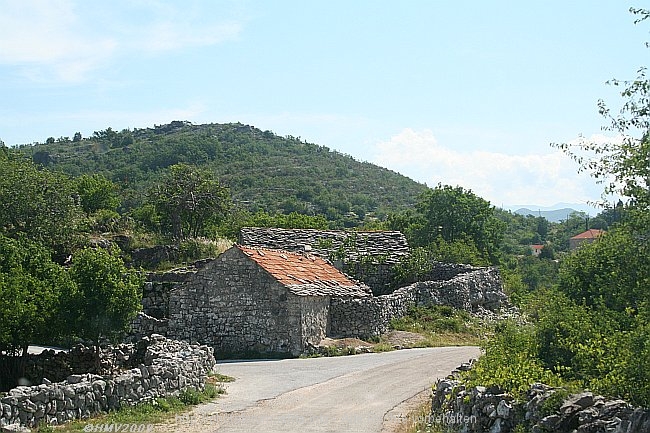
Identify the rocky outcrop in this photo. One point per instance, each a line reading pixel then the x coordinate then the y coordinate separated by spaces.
pixel 544 410
pixel 161 367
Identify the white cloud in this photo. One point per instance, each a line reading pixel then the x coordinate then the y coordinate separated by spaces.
pixel 543 179
pixel 65 40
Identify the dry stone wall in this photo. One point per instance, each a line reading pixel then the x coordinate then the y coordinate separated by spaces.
pixel 391 245
pixel 473 291
pixel 492 410
pixel 162 367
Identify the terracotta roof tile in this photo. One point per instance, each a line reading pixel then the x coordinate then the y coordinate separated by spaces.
pixel 304 274
pixel 589 234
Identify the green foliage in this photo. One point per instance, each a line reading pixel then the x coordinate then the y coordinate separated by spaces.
pixel 38 204
pixel 613 271
pixel 108 295
pixel 31 288
pixel 187 197
pixel 96 192
pixel 262 170
pixel 437 318
pixel 454 224
pixel 510 362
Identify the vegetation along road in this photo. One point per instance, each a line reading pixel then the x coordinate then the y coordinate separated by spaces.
pixel 362 393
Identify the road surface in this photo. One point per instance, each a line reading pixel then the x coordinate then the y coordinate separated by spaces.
pixel 361 393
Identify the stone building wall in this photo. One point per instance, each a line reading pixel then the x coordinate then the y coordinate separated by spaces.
pixel 233 305
pixel 161 367
pixel 473 291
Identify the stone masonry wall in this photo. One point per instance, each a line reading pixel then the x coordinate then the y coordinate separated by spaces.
pixel 234 305
pixel 161 367
pixel 492 410
pixel 473 291
pixel 325 243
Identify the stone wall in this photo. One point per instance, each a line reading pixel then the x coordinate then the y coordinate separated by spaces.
pixel 391 245
pixel 161 367
pixel 155 293
pixel 235 306
pixel 491 410
pixel 473 291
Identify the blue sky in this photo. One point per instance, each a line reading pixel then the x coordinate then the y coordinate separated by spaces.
pixel 466 93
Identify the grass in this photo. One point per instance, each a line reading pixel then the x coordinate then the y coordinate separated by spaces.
pixel 154 412
pixel 442 326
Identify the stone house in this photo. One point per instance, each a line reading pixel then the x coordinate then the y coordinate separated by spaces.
pixel 259 300
pixel 585 237
pixel 368 256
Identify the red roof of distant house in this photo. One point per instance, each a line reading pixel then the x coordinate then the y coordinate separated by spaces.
pixel 589 234
pixel 537 247
pixel 304 274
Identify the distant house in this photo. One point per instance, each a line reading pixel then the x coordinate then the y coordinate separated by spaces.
pixel 537 249
pixel 259 300
pixel 585 237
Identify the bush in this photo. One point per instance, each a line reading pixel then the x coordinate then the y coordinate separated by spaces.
pixel 510 362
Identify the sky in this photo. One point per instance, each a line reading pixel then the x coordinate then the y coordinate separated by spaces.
pixel 467 93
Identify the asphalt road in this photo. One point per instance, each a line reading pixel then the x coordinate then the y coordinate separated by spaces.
pixel 361 393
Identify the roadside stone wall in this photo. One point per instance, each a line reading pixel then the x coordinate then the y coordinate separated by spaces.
pixel 473 291
pixel 162 367
pixel 492 410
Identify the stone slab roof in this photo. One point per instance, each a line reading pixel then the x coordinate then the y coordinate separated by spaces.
pixel 305 275
pixel 390 245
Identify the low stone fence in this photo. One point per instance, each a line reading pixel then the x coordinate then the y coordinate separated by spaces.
pixel 473 291
pixel 164 367
pixel 482 409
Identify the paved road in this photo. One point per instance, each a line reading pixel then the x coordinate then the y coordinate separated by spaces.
pixel 361 393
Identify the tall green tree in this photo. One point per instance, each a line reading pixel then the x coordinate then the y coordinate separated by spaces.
pixel 31 290
pixel 187 197
pixel 458 215
pixel 108 295
pixel 39 204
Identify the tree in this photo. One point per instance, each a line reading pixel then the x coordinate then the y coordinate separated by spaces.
pixel 108 295
pixel 456 214
pixel 39 204
pixel 96 192
pixel 31 289
pixel 624 167
pixel 187 197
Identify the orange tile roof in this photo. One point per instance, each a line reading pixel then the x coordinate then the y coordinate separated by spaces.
pixel 589 234
pixel 304 274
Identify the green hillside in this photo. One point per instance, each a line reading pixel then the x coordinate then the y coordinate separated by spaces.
pixel 264 171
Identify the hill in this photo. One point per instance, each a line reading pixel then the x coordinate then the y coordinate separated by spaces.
pixel 263 170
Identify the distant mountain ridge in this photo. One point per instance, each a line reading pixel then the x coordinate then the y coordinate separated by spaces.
pixel 555 215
